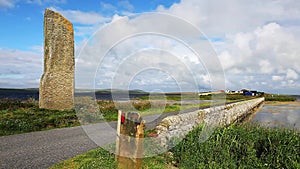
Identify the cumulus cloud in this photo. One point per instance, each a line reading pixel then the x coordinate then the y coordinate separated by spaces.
pixel 291 74
pixel 107 7
pixel 258 41
pixel 126 5
pixel 277 78
pixel 139 43
pixel 79 17
pixel 20 68
pixel 269 49
pixel 258 38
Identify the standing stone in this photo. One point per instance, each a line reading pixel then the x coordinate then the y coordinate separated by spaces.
pixel 57 83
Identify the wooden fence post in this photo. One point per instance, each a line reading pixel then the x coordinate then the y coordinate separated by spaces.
pixel 118 135
pixel 130 144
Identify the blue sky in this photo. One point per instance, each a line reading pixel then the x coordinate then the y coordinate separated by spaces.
pixel 257 42
pixel 22 20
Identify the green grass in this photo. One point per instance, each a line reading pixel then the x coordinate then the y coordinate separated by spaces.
pixel 236 146
pixel 101 158
pixel 98 158
pixel 18 116
pixel 174 97
pixel 179 97
pixel 109 111
pixel 281 98
pixel 240 146
pixel 173 108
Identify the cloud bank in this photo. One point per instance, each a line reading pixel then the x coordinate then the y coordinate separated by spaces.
pixel 257 42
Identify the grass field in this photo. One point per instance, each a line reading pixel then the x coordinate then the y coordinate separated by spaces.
pixel 236 146
pixel 281 98
pixel 18 116
pixel 240 146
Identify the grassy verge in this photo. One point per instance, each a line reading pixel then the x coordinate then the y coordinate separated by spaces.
pixel 109 110
pixel 100 158
pixel 281 98
pixel 236 146
pixel 18 116
pixel 240 147
pixel 228 97
pixel 179 97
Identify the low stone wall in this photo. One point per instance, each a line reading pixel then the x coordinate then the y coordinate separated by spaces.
pixel 179 125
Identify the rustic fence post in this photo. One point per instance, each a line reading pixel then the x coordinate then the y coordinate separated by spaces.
pixel 118 135
pixel 129 142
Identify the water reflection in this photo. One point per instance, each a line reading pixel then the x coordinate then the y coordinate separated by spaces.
pixel 279 115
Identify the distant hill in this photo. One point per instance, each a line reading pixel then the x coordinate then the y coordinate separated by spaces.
pixel 120 91
pixel 19 90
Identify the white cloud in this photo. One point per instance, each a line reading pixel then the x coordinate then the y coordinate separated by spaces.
pixel 227 60
pixel 79 17
pixel 41 2
pixel 277 78
pixel 126 5
pixel 216 17
pixel 256 42
pixel 7 3
pixel 291 74
pixel 258 46
pixel 269 49
pixel 37 49
pixel 20 69
pixel 107 6
pixel 154 48
pixel 265 66
pixel 258 38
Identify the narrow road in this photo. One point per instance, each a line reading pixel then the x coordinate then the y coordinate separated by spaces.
pixel 45 148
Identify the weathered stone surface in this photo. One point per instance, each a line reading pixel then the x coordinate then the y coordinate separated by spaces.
pixel 57 83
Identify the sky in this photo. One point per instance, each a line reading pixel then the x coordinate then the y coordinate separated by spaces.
pixel 255 44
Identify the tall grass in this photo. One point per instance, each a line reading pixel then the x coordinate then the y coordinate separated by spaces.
pixel 236 146
pixel 240 146
pixel 17 116
pixel 282 98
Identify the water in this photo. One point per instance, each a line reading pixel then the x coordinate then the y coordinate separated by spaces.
pixel 26 94
pixel 286 115
pixel 19 94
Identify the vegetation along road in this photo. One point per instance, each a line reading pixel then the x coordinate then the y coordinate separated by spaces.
pixel 43 149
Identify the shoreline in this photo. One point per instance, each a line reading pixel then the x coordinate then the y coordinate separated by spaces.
pixel 275 103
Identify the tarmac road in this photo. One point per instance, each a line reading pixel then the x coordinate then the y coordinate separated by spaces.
pixel 45 148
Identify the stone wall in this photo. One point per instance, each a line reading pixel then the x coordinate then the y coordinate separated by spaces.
pixel 180 125
pixel 57 82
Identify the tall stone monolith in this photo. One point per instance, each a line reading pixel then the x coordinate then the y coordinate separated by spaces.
pixel 57 82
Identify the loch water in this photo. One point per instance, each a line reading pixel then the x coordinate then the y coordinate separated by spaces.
pixel 282 115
